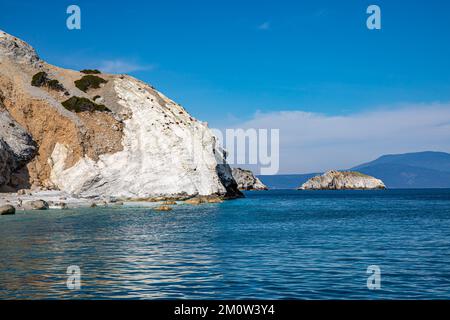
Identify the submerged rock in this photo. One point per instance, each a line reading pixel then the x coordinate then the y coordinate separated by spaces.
pixel 213 200
pixel 193 201
pixel 163 208
pixel 246 180
pixel 342 180
pixel 201 199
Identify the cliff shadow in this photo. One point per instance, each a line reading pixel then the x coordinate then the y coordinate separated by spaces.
pixel 20 179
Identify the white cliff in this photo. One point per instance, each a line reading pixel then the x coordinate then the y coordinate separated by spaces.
pixel 137 144
pixel 165 152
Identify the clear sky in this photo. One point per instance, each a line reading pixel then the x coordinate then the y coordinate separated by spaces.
pixel 233 62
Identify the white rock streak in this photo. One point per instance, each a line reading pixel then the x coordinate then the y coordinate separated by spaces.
pixel 165 152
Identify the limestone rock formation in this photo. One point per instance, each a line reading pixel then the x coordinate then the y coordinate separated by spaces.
pixel 246 180
pixel 104 134
pixel 342 180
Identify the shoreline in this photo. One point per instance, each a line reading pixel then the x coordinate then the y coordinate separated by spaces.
pixel 54 199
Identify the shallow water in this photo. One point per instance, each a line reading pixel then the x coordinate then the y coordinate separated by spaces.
pixel 271 245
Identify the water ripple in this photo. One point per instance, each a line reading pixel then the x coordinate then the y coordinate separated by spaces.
pixel 271 245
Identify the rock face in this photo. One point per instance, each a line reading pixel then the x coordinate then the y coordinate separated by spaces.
pixel 246 180
pixel 36 205
pixel 17 50
pixel 337 180
pixel 7 210
pixel 107 134
pixel 16 147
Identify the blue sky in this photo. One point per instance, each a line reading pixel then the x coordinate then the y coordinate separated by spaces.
pixel 229 61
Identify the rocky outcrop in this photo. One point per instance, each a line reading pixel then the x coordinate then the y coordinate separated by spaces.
pixel 36 205
pixel 7 210
pixel 246 180
pixel 6 163
pixel 16 148
pixel 337 180
pixel 17 50
pixel 108 135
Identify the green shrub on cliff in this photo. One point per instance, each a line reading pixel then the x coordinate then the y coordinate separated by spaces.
pixel 41 79
pixel 81 104
pixel 89 82
pixel 90 71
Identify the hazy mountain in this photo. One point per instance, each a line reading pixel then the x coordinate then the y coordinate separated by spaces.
pixel 411 170
pixel 428 159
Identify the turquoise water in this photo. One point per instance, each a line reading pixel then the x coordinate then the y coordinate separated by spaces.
pixel 271 245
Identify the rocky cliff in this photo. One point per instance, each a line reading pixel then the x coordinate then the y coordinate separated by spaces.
pixel 103 134
pixel 246 180
pixel 16 149
pixel 337 180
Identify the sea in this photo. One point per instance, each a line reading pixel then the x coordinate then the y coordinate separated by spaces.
pixel 279 244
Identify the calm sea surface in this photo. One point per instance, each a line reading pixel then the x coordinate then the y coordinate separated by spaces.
pixel 271 245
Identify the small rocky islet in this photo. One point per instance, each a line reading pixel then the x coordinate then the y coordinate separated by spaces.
pixel 342 180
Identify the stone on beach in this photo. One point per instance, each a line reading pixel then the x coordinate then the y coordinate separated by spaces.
pixel 7 210
pixel 36 205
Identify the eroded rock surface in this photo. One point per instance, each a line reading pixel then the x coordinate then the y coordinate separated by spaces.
pixel 246 180
pixel 342 180
pixel 7 210
pixel 16 147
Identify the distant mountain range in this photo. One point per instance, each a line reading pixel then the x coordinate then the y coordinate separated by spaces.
pixel 410 170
